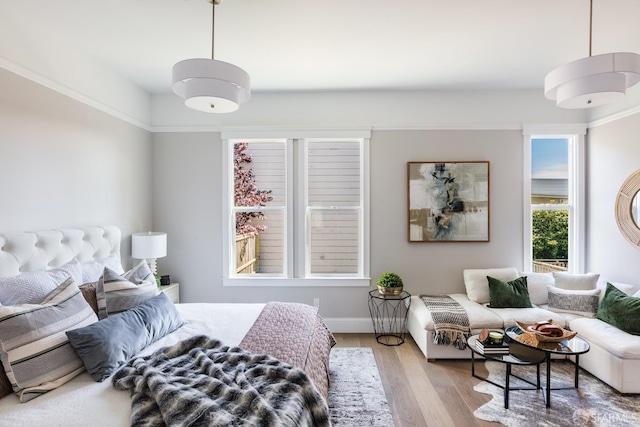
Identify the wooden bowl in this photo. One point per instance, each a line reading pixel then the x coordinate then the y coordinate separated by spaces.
pixel 566 334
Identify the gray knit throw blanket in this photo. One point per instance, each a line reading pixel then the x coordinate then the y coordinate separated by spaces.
pixel 449 319
pixel 200 382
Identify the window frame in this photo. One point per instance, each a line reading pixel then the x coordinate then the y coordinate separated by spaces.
pixel 295 247
pixel 575 134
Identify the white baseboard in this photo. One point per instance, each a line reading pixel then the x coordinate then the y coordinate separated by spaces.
pixel 349 324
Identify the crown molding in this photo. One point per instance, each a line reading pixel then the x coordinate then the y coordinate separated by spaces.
pixel 71 93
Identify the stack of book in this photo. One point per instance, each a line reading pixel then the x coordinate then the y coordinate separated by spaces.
pixel 488 348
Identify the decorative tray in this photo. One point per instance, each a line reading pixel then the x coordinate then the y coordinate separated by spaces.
pixel 566 334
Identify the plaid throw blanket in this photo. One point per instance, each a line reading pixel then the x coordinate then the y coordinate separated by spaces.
pixel 449 319
pixel 200 382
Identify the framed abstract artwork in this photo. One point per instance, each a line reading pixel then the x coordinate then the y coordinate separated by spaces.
pixel 448 201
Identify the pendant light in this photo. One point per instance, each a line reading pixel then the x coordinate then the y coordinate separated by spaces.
pixel 209 85
pixel 593 81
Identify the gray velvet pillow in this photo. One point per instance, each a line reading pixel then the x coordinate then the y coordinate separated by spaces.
pixel 106 345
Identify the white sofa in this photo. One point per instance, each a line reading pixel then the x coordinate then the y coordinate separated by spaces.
pixel 614 356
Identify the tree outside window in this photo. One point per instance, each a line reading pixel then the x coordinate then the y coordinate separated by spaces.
pixel 247 194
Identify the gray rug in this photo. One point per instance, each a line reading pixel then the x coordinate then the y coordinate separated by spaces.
pixel 593 404
pixel 356 396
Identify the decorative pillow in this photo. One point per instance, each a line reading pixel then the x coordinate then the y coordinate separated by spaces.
pixel 106 345
pixel 475 281
pixel 34 349
pixel 34 286
pixel 513 294
pixel 584 303
pixel 575 282
pixel 92 271
pixel 537 284
pixel 89 293
pixel 627 289
pixel 620 310
pixel 116 293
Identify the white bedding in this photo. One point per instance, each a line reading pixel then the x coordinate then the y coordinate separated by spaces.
pixel 84 402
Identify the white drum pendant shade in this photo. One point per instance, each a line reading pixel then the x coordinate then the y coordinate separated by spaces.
pixel 593 81
pixel 211 86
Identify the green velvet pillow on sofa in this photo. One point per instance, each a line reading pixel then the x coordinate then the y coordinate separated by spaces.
pixel 620 310
pixel 513 294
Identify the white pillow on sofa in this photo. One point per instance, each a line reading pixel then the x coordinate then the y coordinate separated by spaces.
pixel 537 284
pixel 576 282
pixel 477 284
pixel 581 302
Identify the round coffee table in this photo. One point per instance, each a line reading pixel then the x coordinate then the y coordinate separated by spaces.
pixel 572 347
pixel 519 355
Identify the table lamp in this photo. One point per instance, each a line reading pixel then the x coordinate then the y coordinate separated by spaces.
pixel 149 246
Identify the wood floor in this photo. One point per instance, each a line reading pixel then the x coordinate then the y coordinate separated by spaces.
pixel 422 393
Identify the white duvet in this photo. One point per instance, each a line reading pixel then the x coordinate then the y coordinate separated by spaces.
pixel 84 402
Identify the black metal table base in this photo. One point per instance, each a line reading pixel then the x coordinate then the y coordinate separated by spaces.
pixel 506 386
pixel 390 339
pixel 389 317
pixel 548 388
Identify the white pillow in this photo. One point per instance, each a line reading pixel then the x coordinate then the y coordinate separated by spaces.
pixel 34 349
pixel 477 285
pixel 32 287
pixel 636 295
pixel 576 282
pixel 582 302
pixel 92 270
pixel 116 293
pixel 537 284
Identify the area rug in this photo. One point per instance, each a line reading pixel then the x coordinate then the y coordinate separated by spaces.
pixel 593 404
pixel 356 396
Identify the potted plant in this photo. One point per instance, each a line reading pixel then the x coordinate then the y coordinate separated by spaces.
pixel 389 284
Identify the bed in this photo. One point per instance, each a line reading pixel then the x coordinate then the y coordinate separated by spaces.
pixel 83 401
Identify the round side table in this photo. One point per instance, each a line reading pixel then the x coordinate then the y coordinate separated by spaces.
pixel 389 316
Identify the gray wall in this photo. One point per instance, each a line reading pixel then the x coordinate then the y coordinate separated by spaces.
pixel 65 164
pixel 187 196
pixel 613 154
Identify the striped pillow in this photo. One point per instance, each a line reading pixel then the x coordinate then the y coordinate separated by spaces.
pixel 116 293
pixel 35 350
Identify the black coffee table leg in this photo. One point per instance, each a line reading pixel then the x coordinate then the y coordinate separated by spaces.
pixel 506 387
pixel 548 399
pixel 577 368
pixel 473 364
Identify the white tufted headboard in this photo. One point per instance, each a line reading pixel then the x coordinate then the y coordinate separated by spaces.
pixel 41 250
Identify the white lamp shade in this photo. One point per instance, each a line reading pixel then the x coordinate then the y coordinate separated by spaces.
pixel 593 81
pixel 149 245
pixel 211 86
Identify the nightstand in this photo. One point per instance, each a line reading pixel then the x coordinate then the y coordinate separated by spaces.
pixel 173 292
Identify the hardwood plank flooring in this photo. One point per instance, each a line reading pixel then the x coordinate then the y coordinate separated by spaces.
pixel 421 393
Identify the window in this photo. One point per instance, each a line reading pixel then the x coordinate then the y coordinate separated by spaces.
pixel 554 201
pixel 297 210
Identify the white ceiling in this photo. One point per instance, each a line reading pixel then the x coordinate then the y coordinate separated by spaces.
pixel 303 45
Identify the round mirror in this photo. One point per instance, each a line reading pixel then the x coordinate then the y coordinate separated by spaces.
pixel 628 209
